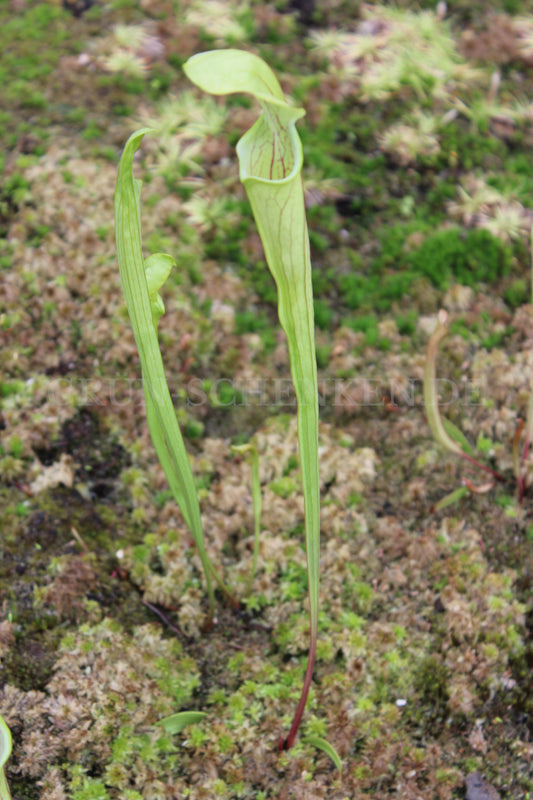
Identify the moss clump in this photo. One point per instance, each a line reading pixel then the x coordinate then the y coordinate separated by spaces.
pixel 259 278
pixel 517 293
pixel 284 487
pixel 323 314
pixel 431 682
pixel 471 258
pixel 249 321
pixel 100 711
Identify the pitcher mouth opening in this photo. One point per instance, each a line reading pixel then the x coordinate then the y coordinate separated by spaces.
pixel 283 167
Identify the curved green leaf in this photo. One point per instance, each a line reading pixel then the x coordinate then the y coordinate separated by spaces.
pixel 157 268
pixel 457 435
pixel 326 747
pixel 451 499
pixel 177 722
pixel 140 282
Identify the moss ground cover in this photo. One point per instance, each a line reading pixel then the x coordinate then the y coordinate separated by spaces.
pixel 417 179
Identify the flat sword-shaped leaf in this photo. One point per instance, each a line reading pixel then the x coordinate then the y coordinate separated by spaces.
pixel 141 282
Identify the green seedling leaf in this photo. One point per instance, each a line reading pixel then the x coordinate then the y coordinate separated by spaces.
pixel 141 281
pixel 177 722
pixel 458 436
pixel 326 747
pixel 270 164
pixel 5 752
pixel 444 431
pixel 451 499
pixel 431 402
pixel 157 269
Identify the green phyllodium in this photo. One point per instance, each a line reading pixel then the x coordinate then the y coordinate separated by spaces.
pixel 270 159
pixel 177 722
pixel 141 281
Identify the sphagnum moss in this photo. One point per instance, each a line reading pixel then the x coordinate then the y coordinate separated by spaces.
pixel 390 532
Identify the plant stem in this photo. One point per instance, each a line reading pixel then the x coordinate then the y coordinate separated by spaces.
pixel 287 743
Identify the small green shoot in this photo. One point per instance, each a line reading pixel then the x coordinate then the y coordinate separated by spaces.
pixel 457 436
pixel 177 722
pixel 450 499
pixel 431 403
pixel 326 747
pixel 458 494
pixel 5 752
pixel 451 437
pixel 445 432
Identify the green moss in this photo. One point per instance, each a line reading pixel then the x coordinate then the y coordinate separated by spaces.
pixel 461 327
pixel 292 464
pixel 365 323
pixel 517 293
pixel 225 394
pixel 363 595
pixel 323 354
pixel 431 682
pixel 194 429
pixel 294 582
pixel 471 258
pixel 251 321
pixel 497 338
pixel 258 277
pixel 283 487
pixel 9 388
pixel 90 789
pixel 25 69
pixel 15 189
pixel 224 247
pixel 460 144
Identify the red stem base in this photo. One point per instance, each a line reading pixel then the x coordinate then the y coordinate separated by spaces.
pixel 287 743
